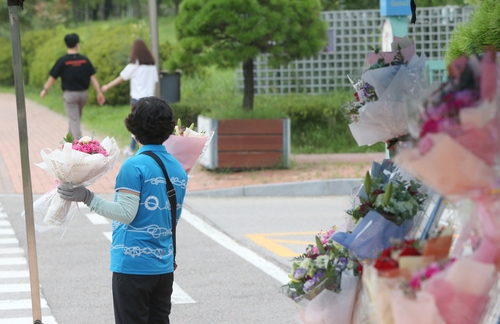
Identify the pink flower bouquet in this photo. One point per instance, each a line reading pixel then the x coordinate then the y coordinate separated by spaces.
pixel 187 146
pixel 446 291
pixel 461 292
pixel 459 131
pixel 418 310
pixel 78 162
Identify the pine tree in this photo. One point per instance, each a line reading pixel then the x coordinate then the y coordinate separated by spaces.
pixel 229 32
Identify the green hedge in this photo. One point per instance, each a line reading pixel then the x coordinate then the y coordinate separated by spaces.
pixel 106 44
pixel 317 121
pixel 7 75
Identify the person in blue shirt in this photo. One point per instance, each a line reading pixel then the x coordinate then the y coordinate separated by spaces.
pixel 142 250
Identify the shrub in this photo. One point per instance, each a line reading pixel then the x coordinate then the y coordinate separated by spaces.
pixel 173 58
pixel 107 45
pixel 6 66
pixel 44 47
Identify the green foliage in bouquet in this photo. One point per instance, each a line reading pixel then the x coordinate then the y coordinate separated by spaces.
pixel 321 267
pixel 482 29
pixel 397 201
pixel 399 59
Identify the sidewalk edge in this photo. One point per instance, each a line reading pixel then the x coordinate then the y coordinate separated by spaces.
pixel 313 188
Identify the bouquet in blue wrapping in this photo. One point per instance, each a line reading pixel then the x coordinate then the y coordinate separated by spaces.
pixel 387 207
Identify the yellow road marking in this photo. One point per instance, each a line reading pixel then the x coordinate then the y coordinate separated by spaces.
pixel 273 246
pixel 294 242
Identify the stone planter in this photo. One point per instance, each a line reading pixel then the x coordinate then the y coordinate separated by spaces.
pixel 246 143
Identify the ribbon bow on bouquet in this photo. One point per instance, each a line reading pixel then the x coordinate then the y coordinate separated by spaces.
pixel 379 113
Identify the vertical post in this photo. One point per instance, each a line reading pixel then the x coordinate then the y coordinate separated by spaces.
pixel 25 164
pixel 153 36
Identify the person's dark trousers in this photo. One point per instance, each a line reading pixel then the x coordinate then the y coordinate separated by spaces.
pixel 142 299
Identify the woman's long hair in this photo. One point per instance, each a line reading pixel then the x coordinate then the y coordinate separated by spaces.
pixel 140 53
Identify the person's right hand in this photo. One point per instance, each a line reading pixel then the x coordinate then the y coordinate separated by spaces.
pixel 104 88
pixel 43 93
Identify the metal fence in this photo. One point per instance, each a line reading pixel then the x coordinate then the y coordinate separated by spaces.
pixel 352 34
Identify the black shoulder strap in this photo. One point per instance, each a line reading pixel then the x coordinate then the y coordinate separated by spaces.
pixel 171 197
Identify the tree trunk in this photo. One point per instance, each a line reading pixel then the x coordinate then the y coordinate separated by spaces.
pixel 87 13
pixel 101 11
pixel 138 13
pixel 248 84
pixel 177 4
pixel 108 8
pixel 75 12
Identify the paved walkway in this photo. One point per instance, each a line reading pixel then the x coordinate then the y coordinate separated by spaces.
pixel 47 128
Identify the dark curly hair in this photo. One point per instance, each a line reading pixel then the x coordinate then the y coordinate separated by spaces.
pixel 150 121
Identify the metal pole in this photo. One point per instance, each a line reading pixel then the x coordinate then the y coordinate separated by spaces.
pixel 153 37
pixel 25 164
pixel 432 218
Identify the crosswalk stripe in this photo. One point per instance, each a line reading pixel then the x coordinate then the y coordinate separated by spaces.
pixel 12 288
pixel 109 235
pixel 27 320
pixel 14 274
pixel 9 240
pixel 20 304
pixel 12 261
pixel 96 219
pixel 9 270
pixel 14 250
pixel 179 296
pixel 7 231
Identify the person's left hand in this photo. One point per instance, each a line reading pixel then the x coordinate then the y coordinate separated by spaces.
pixel 77 194
pixel 100 99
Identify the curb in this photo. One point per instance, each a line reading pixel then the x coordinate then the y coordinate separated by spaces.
pixel 313 188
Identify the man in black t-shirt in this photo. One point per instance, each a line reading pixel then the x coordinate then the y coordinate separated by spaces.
pixel 76 72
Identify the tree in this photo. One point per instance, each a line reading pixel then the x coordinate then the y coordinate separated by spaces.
pixel 482 29
pixel 228 32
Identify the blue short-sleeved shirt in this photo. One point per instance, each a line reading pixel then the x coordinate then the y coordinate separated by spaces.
pixel 144 247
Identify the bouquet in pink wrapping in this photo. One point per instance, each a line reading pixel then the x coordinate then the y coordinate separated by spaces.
pixel 379 112
pixel 458 130
pixel 187 145
pixel 393 269
pixel 452 291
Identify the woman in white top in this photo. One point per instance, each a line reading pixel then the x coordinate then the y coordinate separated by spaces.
pixel 143 75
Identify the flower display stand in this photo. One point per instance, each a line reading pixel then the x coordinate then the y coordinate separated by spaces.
pixel 246 143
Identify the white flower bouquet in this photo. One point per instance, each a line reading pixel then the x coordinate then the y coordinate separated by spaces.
pixel 394 77
pixel 77 162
